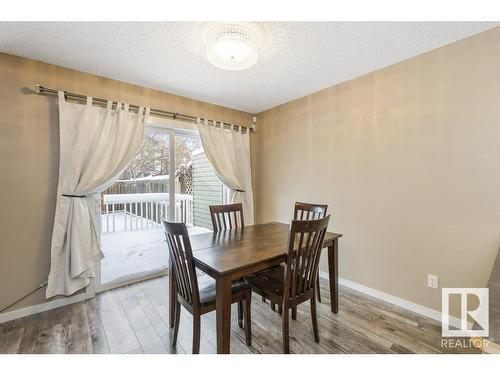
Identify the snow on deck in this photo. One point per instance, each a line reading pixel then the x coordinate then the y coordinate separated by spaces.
pixel 144 197
pixel 136 251
pixel 162 177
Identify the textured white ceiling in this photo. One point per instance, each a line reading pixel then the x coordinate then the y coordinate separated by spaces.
pixel 296 58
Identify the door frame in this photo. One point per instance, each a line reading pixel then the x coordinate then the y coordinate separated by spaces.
pixel 169 128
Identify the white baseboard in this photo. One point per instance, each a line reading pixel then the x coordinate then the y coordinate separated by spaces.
pixel 35 309
pixel 87 293
pixel 405 304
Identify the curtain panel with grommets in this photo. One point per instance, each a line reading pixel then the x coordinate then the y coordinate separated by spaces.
pixel 96 144
pixel 228 150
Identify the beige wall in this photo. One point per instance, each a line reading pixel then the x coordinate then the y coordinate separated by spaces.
pixel 29 157
pixel 408 160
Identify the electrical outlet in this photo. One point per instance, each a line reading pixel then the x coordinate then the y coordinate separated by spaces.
pixel 432 281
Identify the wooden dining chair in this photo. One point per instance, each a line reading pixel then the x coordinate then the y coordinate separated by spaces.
pixel 294 284
pixel 310 211
pixel 227 216
pixel 198 296
pixel 307 211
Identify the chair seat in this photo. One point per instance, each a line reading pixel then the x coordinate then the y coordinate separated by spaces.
pixel 270 281
pixel 206 286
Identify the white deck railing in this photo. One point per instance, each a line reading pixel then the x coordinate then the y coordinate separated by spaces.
pixel 143 210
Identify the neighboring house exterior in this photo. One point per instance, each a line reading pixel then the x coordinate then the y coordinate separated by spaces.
pixel 207 189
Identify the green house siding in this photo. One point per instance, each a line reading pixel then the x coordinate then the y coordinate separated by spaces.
pixel 207 190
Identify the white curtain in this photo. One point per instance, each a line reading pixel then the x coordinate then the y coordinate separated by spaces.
pixel 96 145
pixel 229 152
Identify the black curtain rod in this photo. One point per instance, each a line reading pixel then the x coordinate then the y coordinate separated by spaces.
pixel 39 89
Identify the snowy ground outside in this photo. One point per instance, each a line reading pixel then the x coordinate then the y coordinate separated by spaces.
pixel 134 251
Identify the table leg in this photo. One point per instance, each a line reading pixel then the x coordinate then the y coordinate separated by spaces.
pixel 333 270
pixel 223 307
pixel 171 298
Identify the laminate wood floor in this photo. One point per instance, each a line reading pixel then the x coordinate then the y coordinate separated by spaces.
pixel 134 319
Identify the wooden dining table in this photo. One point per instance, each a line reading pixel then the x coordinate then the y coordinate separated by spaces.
pixel 231 254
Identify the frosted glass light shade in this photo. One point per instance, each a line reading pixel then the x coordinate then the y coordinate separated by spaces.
pixel 232 47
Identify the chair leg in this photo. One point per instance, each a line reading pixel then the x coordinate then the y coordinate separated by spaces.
pixel 280 309
pixel 294 313
pixel 196 333
pixel 314 319
pixel 177 318
pixel 240 314
pixel 318 289
pixel 286 332
pixel 248 320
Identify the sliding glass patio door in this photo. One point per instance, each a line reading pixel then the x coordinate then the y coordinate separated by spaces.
pixel 168 178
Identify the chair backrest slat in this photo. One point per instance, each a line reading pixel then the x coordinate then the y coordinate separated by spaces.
pixel 304 250
pixel 221 216
pixel 309 211
pixel 181 257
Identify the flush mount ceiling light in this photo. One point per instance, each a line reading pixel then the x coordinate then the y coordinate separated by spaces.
pixel 232 46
